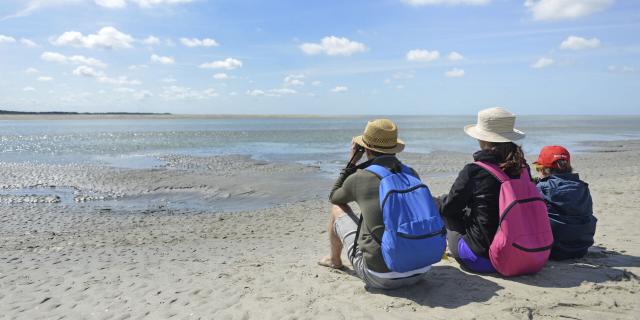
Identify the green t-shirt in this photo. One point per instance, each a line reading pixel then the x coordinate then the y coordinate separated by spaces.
pixel 363 186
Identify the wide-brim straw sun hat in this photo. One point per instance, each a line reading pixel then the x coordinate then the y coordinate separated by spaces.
pixel 380 135
pixel 495 125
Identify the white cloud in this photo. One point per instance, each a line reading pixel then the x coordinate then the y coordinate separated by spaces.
pixel 76 59
pixel 283 91
pixel 111 4
pixel 118 81
pixel 333 46
pixel 455 56
pixel 44 79
pixel 542 63
pixel 156 3
pixel 53 57
pixel 151 41
pixel 294 80
pixel 105 38
pixel 178 92
pixel 340 89
pixel 316 83
pixel 34 5
pixel 279 92
pixel 445 2
pixel 162 60
pixel 28 42
pixel 624 69
pixel 422 55
pixel 27 89
pixel 227 64
pixel 220 76
pixel 6 39
pixel 137 66
pixel 454 73
pixel 31 70
pixel 256 92
pixel 193 42
pixel 564 9
pixel 85 71
pixel 579 43
pixel 169 80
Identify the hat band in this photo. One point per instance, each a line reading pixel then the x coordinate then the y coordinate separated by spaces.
pixel 373 146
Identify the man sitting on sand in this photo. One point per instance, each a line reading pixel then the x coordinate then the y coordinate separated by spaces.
pixel 375 260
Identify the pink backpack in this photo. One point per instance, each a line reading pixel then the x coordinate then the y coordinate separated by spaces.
pixel 523 241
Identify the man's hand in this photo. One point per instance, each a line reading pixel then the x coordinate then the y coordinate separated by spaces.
pixel 355 153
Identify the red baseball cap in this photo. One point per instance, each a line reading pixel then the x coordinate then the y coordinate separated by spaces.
pixel 550 154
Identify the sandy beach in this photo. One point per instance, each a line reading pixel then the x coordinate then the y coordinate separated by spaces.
pixel 249 249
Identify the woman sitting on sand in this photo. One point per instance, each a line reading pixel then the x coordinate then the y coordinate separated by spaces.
pixel 470 210
pixel 569 204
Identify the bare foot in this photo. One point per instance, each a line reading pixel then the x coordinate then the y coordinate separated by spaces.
pixel 326 262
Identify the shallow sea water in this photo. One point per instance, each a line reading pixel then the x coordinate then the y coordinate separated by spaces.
pixel 316 141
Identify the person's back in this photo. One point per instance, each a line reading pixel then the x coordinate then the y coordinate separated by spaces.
pixel 476 210
pixel 387 213
pixel 363 188
pixel 568 202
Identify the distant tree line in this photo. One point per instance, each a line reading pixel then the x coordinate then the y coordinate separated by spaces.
pixel 79 113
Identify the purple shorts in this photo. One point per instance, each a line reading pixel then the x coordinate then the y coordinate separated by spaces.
pixel 471 261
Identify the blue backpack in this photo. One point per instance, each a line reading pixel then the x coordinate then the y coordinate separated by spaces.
pixel 414 234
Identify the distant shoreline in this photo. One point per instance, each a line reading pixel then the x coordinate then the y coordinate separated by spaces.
pixel 159 116
pixel 63 115
pixel 10 112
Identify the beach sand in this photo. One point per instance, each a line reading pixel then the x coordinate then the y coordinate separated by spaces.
pixel 90 259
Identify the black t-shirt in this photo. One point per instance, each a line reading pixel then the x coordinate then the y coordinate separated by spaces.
pixel 473 204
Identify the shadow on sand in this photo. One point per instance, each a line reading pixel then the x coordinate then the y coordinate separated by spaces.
pixel 444 284
pixel 599 265
pixel 442 288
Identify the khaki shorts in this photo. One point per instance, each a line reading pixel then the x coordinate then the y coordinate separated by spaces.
pixel 345 228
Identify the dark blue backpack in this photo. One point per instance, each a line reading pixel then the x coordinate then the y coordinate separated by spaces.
pixel 414 234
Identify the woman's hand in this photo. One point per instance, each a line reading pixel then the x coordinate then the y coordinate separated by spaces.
pixel 355 153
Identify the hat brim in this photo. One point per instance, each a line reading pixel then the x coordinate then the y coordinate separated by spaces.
pixel 397 149
pixel 473 131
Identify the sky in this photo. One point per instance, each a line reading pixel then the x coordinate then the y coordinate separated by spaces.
pixel 321 57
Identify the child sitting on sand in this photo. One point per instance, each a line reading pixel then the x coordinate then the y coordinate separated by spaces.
pixel 569 204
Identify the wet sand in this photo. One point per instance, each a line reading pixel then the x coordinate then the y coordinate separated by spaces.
pixel 88 257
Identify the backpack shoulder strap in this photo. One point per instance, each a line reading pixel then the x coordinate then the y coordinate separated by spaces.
pixel 494 170
pixel 407 170
pixel 525 174
pixel 379 171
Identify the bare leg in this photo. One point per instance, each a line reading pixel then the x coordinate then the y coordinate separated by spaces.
pixel 334 260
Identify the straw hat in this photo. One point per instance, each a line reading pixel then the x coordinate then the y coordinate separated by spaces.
pixel 380 135
pixel 495 125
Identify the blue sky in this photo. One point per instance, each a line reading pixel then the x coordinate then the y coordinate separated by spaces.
pixel 321 57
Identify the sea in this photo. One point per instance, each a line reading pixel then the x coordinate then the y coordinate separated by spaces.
pixel 320 141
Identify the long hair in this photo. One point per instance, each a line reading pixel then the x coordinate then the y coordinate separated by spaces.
pixel 511 156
